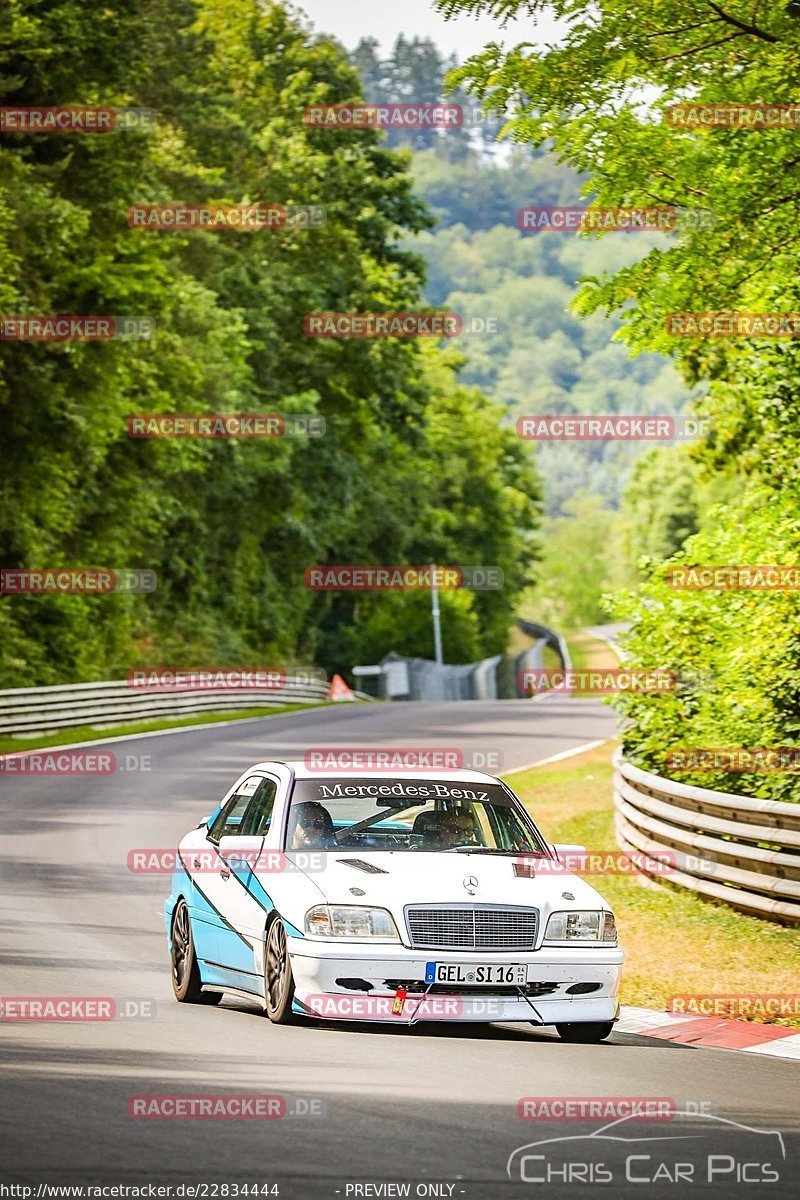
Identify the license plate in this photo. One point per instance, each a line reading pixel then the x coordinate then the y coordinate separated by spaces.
pixel 475 974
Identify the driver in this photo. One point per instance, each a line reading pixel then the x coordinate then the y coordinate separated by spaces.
pixel 455 829
pixel 313 827
pixel 468 829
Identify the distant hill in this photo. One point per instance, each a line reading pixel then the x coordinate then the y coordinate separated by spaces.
pixel 542 359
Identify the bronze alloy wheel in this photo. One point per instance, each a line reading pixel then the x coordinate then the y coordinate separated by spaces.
pixel 186 982
pixel 278 975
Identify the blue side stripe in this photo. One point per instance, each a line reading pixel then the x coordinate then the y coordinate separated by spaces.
pixel 256 890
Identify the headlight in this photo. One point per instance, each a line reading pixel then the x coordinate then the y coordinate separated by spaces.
pixel 592 926
pixel 351 921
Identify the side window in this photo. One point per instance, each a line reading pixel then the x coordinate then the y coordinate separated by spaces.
pixel 229 822
pixel 511 833
pixel 259 814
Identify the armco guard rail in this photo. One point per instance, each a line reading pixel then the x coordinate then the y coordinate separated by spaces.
pixel 39 710
pixel 555 640
pixel 742 851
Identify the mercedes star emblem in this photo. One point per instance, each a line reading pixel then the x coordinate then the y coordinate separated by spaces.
pixel 471 884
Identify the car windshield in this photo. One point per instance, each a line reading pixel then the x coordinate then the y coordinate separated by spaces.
pixel 391 813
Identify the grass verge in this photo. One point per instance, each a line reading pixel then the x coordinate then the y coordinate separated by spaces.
pixel 674 941
pixel 589 653
pixel 551 659
pixel 88 733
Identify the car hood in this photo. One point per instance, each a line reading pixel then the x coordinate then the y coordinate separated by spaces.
pixel 393 879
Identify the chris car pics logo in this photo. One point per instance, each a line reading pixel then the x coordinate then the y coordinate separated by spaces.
pixel 699 1148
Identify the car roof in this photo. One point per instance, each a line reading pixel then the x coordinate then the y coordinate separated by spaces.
pixel 303 771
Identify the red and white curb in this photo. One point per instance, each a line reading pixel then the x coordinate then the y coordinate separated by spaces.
pixel 712 1032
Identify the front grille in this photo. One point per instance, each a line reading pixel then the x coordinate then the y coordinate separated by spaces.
pixel 472 927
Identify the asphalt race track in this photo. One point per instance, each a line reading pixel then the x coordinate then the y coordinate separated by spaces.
pixel 432 1107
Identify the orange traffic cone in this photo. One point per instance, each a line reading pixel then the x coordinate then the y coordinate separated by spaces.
pixel 339 690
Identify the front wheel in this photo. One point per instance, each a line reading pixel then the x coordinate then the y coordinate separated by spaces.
pixel 278 975
pixel 588 1031
pixel 185 972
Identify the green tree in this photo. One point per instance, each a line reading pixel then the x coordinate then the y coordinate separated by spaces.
pixel 600 98
pixel 735 654
pixel 402 621
pixel 660 505
pixel 585 97
pixel 229 527
pixel 574 569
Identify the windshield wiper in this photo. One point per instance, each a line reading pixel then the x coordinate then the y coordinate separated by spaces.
pixel 485 850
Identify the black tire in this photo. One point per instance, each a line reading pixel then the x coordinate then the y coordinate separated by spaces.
pixel 278 978
pixel 588 1031
pixel 185 971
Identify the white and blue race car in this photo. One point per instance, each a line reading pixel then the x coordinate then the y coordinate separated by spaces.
pixel 390 897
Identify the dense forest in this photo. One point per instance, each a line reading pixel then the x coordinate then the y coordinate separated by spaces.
pixel 420 461
pixel 416 465
pixel 607 504
pixel 599 100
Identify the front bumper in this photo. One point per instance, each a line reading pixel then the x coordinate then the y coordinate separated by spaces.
pixel 342 981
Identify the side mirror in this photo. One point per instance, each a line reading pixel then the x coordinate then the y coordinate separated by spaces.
pixel 205 822
pixel 240 851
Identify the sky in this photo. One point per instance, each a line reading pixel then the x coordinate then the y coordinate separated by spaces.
pixel 350 20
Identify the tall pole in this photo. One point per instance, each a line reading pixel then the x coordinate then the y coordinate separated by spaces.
pixel 437 624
